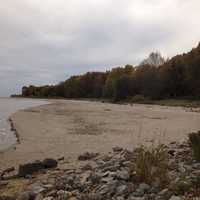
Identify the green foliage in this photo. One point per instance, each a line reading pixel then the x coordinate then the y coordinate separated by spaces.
pixel 121 88
pixel 152 165
pixel 182 187
pixel 194 140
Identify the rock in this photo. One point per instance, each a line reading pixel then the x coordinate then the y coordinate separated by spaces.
pixel 87 167
pixel 87 156
pixel 124 175
pixel 135 198
pixel 36 188
pixel 196 165
pixel 25 196
pixel 48 198
pixel 120 198
pixel 30 168
pixel 7 198
pixel 95 178
pixel 172 152
pixel 165 194
pixel 122 189
pixel 52 193
pixel 142 189
pixel 92 196
pixel 107 179
pixel 181 167
pixel 49 163
pixel 175 198
pixel 61 158
pixel 117 149
pixel 48 186
pixel 64 194
pixel 39 197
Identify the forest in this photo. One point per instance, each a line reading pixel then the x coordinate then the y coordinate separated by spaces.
pixel 178 77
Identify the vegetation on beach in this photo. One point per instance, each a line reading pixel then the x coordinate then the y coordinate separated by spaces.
pixel 177 78
pixel 194 140
pixel 152 165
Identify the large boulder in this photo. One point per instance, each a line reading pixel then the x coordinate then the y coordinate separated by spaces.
pixel 30 168
pixel 49 163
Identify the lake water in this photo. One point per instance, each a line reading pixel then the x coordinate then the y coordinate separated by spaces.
pixel 9 106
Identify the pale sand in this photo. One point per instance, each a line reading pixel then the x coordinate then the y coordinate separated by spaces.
pixel 69 128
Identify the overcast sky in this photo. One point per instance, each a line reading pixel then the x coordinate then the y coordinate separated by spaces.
pixel 46 41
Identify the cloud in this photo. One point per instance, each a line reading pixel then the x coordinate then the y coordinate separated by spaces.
pixel 44 42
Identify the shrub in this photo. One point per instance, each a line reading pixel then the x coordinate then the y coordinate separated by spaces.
pixel 194 140
pixel 152 165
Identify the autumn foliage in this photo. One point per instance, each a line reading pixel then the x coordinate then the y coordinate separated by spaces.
pixel 179 77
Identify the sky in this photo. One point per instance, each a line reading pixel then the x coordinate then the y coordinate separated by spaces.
pixel 45 42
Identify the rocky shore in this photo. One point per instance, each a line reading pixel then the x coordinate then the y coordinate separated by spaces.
pixel 113 176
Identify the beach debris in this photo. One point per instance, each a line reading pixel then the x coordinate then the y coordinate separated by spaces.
pixel 30 168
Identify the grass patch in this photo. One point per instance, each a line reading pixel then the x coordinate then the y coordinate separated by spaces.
pixel 152 165
pixel 194 140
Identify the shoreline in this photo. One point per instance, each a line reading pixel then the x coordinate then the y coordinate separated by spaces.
pixel 184 103
pixel 8 107
pixel 13 129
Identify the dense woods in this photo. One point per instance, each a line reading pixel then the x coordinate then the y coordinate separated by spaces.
pixel 179 77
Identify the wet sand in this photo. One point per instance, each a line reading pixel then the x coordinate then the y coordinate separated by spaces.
pixel 69 128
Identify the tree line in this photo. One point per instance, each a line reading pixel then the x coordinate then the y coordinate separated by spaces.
pixel 178 77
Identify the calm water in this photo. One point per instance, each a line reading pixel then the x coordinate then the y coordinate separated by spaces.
pixel 8 106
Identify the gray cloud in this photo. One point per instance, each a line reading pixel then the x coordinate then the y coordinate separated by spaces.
pixel 44 42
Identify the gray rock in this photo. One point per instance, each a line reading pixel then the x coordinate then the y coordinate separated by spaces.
pixel 95 178
pixel 87 167
pixel 87 156
pixel 36 189
pixel 119 198
pixel 48 198
pixel 24 196
pixel 107 179
pixel 39 197
pixel 135 198
pixel 122 189
pixel 117 149
pixel 123 175
pixel 92 196
pixel 64 194
pixel 142 189
pixel 165 194
pixel 175 198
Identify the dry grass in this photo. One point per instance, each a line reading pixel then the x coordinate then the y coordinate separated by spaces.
pixel 152 165
pixel 194 140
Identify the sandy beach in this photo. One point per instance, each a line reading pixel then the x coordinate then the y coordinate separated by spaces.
pixel 69 128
